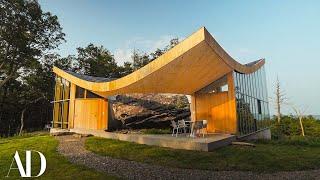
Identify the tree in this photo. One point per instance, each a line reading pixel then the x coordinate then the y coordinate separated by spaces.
pixel 26 32
pixel 96 61
pixel 125 69
pixel 65 63
pixel 139 59
pixel 173 43
pixel 300 114
pixel 38 85
pixel 158 52
pixel 280 99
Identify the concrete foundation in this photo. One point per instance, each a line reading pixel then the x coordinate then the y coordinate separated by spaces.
pixel 261 134
pixel 60 132
pixel 208 143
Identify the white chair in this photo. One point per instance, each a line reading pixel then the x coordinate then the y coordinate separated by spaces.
pixel 182 125
pixel 174 128
pixel 47 127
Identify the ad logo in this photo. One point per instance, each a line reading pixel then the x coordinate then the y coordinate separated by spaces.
pixel 27 172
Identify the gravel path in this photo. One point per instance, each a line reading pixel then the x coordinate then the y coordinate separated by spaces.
pixel 73 148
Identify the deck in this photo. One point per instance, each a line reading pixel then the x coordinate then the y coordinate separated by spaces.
pixel 208 143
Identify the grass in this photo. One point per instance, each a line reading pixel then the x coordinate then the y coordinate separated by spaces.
pixel 57 166
pixel 267 156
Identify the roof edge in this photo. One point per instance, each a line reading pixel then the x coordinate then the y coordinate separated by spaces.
pixel 199 36
pixel 242 68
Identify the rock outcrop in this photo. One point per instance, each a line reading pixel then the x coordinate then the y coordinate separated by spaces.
pixel 139 111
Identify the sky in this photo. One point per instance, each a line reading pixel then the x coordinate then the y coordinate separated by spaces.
pixel 285 33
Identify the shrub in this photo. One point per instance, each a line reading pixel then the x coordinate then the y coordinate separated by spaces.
pixel 290 127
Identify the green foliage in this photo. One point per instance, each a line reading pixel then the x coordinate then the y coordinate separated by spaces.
pixel 57 165
pixel 141 59
pixel 97 61
pixel 27 36
pixel 26 33
pixel 181 102
pixel 289 126
pixel 125 69
pixel 296 154
pixel 295 141
pixel 158 52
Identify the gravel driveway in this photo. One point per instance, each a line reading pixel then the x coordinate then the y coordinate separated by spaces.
pixel 73 148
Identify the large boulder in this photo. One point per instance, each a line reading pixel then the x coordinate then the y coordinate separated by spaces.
pixel 139 111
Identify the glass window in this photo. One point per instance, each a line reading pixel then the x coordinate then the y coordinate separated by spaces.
pixel 252 101
pixel 79 92
pixel 92 95
pixel 61 103
pixel 259 106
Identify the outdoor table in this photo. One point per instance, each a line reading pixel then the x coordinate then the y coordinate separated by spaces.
pixel 193 128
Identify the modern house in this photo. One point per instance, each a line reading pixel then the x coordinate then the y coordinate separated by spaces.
pixel 231 96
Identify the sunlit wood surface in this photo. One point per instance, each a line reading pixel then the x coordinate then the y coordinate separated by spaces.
pixel 186 68
pixel 91 114
pixel 190 66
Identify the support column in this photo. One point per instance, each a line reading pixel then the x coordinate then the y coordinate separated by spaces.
pixel 193 108
pixel 232 103
pixel 71 105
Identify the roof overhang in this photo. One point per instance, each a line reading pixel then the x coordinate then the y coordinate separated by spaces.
pixel 191 65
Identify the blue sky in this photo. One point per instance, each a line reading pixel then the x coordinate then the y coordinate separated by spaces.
pixel 285 33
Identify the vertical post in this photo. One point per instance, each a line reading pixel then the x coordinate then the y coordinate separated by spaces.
pixel 106 113
pixel 232 103
pixel 56 105
pixel 85 94
pixel 71 105
pixel 193 108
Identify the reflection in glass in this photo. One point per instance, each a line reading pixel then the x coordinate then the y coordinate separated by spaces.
pixel 252 101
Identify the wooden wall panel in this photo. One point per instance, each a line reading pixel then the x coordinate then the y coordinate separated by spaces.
pixel 91 113
pixel 219 109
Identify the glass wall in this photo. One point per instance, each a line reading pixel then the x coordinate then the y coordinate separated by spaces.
pixel 61 103
pixel 252 101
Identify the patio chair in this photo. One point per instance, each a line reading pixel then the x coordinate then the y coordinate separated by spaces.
pixel 174 128
pixel 47 127
pixel 182 125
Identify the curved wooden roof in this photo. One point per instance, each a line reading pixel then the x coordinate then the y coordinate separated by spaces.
pixel 189 66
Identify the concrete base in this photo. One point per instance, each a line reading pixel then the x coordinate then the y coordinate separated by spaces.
pixel 261 134
pixel 208 143
pixel 59 132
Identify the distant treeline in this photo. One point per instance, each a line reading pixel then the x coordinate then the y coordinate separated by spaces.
pixel 27 37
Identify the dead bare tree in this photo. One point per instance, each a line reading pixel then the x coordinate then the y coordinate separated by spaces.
pixel 280 99
pixel 300 113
